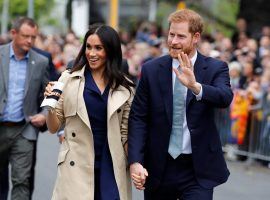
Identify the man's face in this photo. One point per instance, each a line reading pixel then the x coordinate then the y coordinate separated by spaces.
pixel 180 39
pixel 24 38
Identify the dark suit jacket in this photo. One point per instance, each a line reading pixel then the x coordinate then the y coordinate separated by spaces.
pixel 53 74
pixel 150 120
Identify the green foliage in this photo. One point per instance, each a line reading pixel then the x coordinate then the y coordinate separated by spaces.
pixel 19 8
pixel 219 15
pixel 227 12
pixel 170 1
pixel 52 21
pixel 164 10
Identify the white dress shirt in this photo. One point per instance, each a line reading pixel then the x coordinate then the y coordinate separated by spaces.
pixel 186 146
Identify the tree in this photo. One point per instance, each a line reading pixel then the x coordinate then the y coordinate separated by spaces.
pixel 19 8
pixel 218 15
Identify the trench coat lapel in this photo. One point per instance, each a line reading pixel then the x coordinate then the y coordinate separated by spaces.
pixel 79 83
pixel 116 100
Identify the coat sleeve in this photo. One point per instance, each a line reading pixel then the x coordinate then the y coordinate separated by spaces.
pixel 138 118
pixel 59 110
pixel 125 116
pixel 219 93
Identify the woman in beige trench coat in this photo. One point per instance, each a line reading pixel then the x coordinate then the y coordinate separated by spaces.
pixel 95 102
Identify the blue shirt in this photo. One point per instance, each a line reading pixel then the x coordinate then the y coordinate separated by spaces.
pixel 13 110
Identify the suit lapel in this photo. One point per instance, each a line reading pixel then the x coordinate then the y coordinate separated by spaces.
pixel 4 66
pixel 199 71
pixel 165 84
pixel 30 69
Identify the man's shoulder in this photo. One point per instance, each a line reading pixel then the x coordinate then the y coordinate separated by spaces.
pixel 42 58
pixel 157 60
pixel 153 63
pixel 214 60
pixel 42 52
pixel 210 61
pixel 4 47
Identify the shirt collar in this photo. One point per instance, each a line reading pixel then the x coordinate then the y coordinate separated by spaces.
pixel 12 54
pixel 175 62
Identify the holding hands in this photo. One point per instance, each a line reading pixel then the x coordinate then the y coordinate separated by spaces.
pixel 138 174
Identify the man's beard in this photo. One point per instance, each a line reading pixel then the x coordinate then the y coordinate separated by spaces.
pixel 174 53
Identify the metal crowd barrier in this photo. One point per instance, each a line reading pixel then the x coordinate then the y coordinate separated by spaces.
pixel 257 137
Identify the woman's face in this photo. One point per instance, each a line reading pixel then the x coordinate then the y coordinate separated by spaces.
pixel 95 53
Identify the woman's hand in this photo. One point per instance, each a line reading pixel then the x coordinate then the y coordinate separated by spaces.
pixel 48 89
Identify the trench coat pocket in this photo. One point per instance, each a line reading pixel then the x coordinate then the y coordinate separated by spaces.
pixel 62 156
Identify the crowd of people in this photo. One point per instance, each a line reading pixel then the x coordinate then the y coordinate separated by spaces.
pixel 106 132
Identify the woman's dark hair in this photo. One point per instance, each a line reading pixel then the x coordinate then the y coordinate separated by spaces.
pixel 111 42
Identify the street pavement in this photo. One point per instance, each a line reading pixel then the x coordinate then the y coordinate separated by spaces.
pixel 245 182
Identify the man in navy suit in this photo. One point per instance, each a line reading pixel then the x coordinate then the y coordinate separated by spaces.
pixel 153 123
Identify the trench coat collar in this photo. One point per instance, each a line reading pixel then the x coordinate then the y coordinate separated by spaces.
pixel 115 99
pixel 78 73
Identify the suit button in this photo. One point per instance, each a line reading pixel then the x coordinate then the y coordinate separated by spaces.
pixel 73 134
pixel 119 110
pixel 4 100
pixel 72 163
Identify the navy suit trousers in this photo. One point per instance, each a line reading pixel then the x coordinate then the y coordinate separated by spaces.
pixel 179 182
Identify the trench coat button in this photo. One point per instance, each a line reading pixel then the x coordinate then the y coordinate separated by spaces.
pixel 119 110
pixel 73 134
pixel 72 163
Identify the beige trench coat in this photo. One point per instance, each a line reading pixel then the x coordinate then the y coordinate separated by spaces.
pixel 75 177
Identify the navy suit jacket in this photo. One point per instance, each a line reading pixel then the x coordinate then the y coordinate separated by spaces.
pixel 53 75
pixel 150 120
